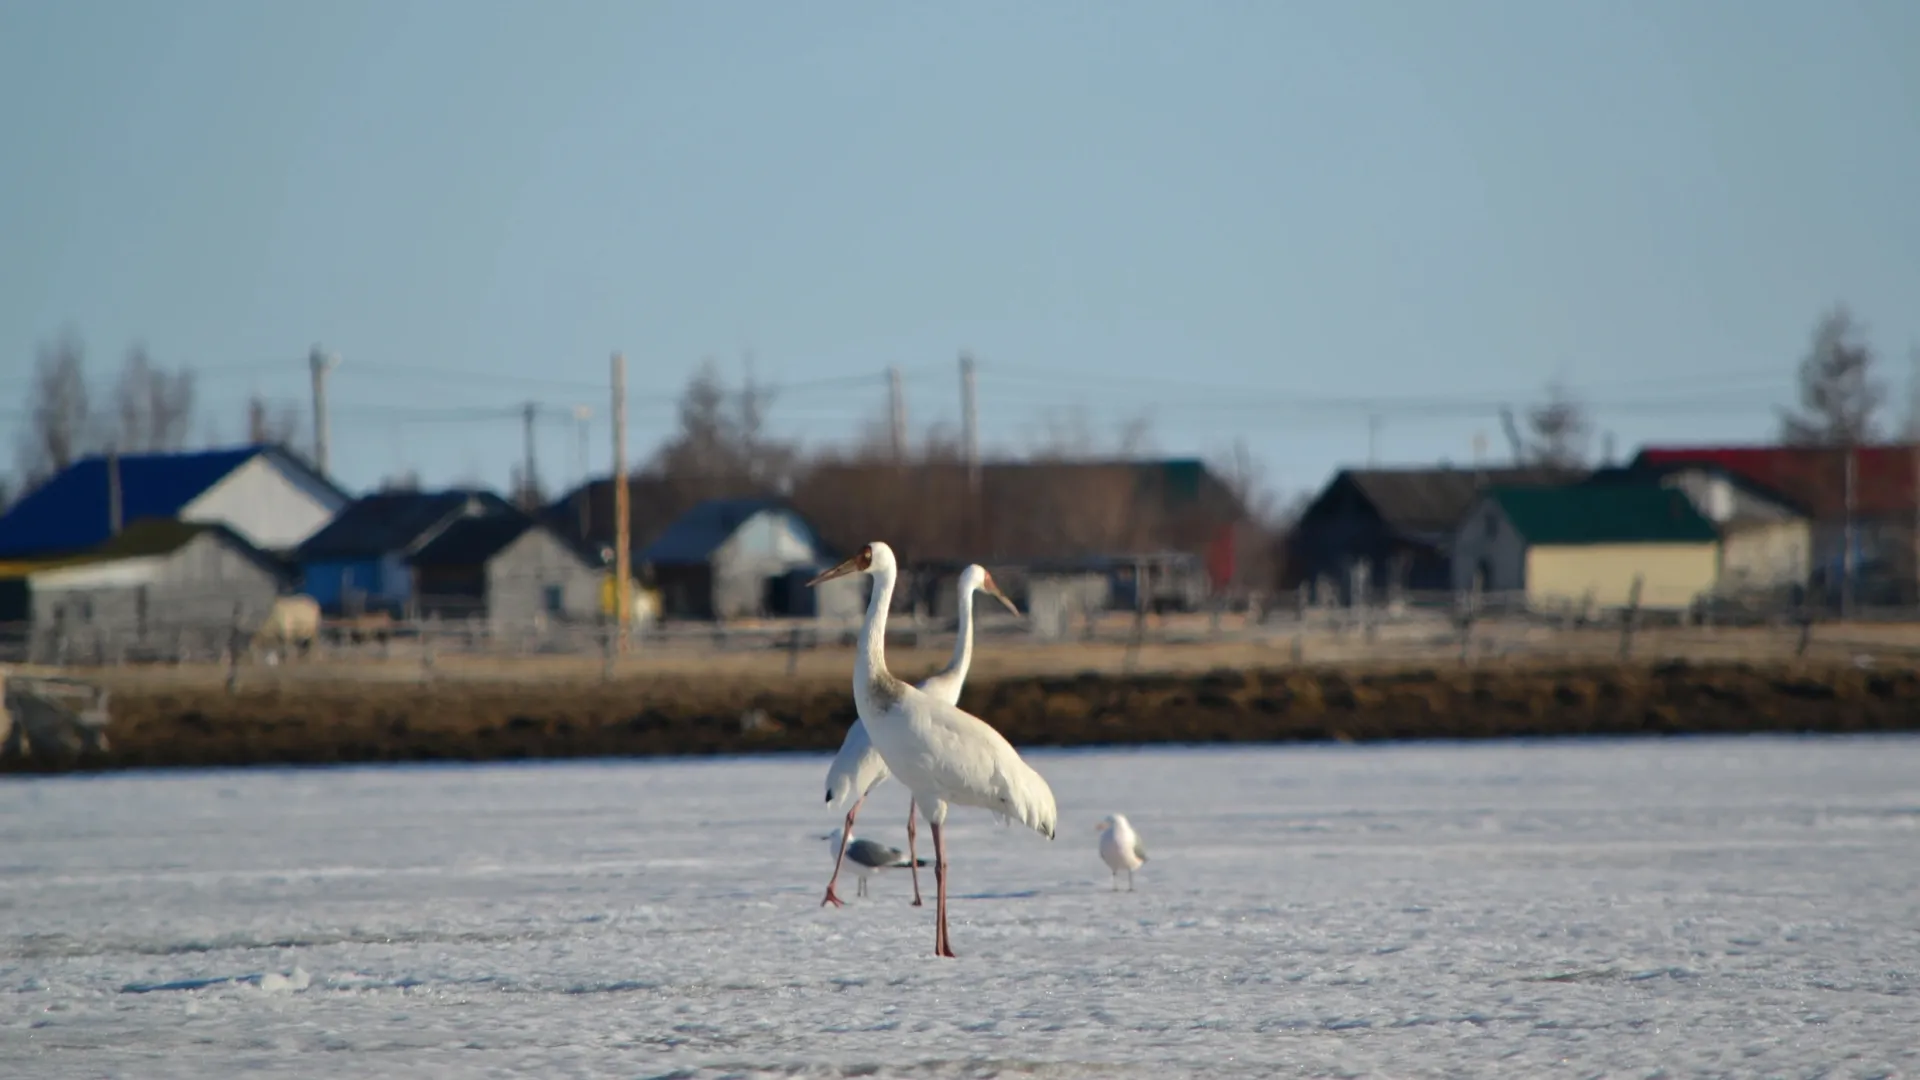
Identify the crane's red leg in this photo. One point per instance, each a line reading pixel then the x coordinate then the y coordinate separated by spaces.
pixel 831 898
pixel 941 947
pixel 913 861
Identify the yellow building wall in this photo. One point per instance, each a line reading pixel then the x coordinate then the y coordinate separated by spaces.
pixel 1602 574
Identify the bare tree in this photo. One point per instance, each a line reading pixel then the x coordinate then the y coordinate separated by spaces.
pixel 63 427
pixel 153 407
pixel 272 423
pixel 722 447
pixel 6 494
pixel 1839 395
pixel 1558 428
pixel 526 492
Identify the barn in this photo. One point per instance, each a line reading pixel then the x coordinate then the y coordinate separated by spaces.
pixel 1584 546
pixel 512 570
pixel 743 559
pixel 266 495
pixel 158 589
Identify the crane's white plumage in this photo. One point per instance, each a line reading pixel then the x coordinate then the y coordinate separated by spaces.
pixel 941 753
pixel 1120 847
pixel 858 768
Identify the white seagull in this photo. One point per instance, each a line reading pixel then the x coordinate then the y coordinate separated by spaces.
pixel 1120 848
pixel 858 767
pixel 942 754
pixel 869 857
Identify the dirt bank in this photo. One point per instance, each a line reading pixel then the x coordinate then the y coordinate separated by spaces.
pixel 360 722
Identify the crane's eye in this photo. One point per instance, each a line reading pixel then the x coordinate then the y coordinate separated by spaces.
pixel 866 557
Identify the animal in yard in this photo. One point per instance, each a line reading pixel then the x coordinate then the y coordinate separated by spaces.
pixel 868 857
pixel 942 753
pixel 858 767
pixel 292 622
pixel 1120 848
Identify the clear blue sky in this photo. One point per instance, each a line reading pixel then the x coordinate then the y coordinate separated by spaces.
pixel 1234 218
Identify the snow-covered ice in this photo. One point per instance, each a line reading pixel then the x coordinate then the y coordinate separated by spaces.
pixel 1689 907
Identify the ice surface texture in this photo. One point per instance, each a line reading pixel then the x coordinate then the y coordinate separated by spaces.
pixel 1708 907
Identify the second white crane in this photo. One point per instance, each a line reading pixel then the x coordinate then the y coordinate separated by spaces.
pixel 858 768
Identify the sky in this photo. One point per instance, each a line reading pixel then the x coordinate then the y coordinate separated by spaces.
pixel 1333 232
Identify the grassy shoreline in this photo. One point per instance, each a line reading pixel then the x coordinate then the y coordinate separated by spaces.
pixel 186 723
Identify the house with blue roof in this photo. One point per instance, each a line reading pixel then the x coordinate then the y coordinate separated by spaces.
pixel 361 561
pixel 743 559
pixel 266 495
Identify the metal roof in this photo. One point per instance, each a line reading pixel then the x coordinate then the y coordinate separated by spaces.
pixel 695 535
pixel 1647 513
pixel 397 522
pixel 69 512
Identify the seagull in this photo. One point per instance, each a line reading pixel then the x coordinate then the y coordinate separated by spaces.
pixel 858 767
pixel 940 752
pixel 868 857
pixel 1120 848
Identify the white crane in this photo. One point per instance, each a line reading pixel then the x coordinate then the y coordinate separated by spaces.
pixel 1120 848
pixel 942 754
pixel 858 767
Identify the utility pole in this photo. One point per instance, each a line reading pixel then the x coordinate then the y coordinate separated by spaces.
pixel 529 484
pixel 320 363
pixel 622 557
pixel 582 417
pixel 1846 556
pixel 1913 442
pixel 897 414
pixel 970 423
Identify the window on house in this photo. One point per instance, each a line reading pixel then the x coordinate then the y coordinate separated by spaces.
pixel 554 599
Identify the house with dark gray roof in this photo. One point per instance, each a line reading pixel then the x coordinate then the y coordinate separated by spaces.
pixel 360 561
pixel 266 494
pixel 1398 525
pixel 160 587
pixel 745 558
pixel 510 569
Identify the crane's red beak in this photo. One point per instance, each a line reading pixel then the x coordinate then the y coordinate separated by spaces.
pixel 851 566
pixel 992 589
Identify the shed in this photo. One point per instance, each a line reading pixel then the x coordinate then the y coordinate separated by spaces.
pixel 160 586
pixel 510 568
pixel 1766 539
pixel 360 561
pixel 1584 545
pixel 746 558
pixel 1399 524
pixel 267 495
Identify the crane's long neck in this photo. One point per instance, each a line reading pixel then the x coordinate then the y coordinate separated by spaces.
pixel 963 640
pixel 871 665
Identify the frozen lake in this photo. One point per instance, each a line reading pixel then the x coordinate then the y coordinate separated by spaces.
pixel 1722 907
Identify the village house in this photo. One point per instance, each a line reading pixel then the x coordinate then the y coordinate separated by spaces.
pixel 266 495
pixel 1394 529
pixel 510 570
pixel 1588 548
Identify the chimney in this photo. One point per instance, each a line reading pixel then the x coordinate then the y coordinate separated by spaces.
pixel 113 493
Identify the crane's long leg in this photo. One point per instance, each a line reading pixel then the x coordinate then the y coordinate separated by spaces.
pixel 830 898
pixel 941 947
pixel 913 861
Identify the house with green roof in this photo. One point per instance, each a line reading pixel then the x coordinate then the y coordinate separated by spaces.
pixel 1585 545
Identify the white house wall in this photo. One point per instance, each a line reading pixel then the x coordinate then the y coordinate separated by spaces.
pixel 519 576
pixel 770 543
pixel 192 597
pixel 273 507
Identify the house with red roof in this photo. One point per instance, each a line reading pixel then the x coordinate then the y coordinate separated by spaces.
pixel 1874 499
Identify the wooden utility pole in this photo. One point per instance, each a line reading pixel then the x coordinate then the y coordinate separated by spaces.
pixel 622 524
pixel 320 362
pixel 897 415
